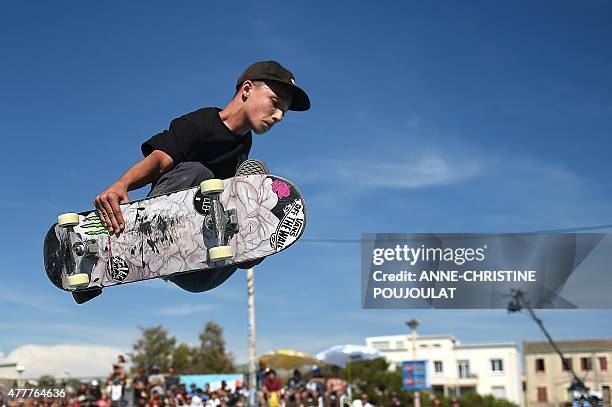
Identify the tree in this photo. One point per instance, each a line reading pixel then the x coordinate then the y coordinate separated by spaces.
pixel 46 381
pixel 211 356
pixel 183 357
pixel 374 378
pixel 155 347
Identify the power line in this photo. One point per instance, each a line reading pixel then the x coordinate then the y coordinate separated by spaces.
pixel 563 230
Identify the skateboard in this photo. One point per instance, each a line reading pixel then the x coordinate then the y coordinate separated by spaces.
pixel 220 223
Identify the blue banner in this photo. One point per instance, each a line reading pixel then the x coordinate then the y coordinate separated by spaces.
pixel 414 375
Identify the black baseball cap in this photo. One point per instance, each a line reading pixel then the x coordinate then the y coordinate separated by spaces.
pixel 275 72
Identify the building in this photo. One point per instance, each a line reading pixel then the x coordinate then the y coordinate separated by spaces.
pixel 548 379
pixel 8 369
pixel 454 369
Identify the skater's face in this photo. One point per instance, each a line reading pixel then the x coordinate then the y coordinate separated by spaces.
pixel 265 104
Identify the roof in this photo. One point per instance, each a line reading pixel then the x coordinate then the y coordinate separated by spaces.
pixel 487 345
pixel 578 345
pixel 409 336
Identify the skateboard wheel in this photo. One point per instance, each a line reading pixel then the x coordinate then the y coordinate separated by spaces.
pixel 211 186
pixel 78 280
pixel 220 253
pixel 68 219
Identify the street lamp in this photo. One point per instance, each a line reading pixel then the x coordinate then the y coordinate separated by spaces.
pixel 413 324
pixel 518 303
pixel 20 369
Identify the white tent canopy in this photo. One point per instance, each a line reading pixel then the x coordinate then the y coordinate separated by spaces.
pixel 341 355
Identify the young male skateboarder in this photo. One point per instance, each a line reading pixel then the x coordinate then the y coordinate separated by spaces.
pixel 208 143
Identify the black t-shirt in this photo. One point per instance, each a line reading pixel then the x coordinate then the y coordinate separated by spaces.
pixel 202 136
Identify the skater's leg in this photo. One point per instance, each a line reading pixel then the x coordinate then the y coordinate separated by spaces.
pixel 83 296
pixel 202 280
pixel 185 175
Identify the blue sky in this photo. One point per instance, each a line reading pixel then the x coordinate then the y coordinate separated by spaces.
pixel 426 117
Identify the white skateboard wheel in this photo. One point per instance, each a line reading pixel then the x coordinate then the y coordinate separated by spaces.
pixel 68 219
pixel 211 186
pixel 220 253
pixel 78 280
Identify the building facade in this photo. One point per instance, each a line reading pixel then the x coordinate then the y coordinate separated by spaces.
pixel 454 369
pixel 548 378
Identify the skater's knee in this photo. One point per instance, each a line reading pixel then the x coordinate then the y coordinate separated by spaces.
pixel 194 170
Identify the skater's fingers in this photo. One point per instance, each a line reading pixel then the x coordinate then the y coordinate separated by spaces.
pixel 118 214
pixel 111 224
pixel 101 212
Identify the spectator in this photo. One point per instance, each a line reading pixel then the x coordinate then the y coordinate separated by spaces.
pixel 363 401
pixel 397 402
pixel 116 392
pixel 115 385
pixel 104 401
pixel 315 387
pixel 95 391
pixel 207 391
pixel 156 381
pixel 213 401
pixel 171 380
pixel 455 402
pixel 295 387
pixel 193 390
pixel 336 387
pixel 436 402
pixel 140 384
pixel 155 400
pixel 272 388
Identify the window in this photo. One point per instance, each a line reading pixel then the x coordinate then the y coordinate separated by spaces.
pixel 585 363
pixel 424 346
pixel 438 368
pixel 542 394
pixel 497 365
pixel 436 345
pixel 399 345
pixel 603 363
pixel 464 368
pixel 382 345
pixel 567 364
pixel 539 365
pixel 499 392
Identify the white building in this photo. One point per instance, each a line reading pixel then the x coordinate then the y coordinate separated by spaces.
pixel 454 369
pixel 8 369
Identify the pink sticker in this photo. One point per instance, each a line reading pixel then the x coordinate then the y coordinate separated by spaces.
pixel 281 188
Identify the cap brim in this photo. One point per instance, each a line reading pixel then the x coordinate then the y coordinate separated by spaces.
pixel 300 101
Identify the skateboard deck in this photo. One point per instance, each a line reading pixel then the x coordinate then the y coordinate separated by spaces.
pixel 172 233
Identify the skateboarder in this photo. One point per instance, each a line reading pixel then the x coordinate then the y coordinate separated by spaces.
pixel 207 143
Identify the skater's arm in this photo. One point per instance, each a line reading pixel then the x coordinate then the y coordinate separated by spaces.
pixel 148 170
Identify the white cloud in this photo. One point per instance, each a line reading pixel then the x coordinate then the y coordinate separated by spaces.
pixel 415 170
pixel 424 171
pixel 65 360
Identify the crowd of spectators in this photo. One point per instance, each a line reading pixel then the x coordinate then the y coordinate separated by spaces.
pixel 157 389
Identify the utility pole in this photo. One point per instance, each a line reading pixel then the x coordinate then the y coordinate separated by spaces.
pixel 252 347
pixel 412 324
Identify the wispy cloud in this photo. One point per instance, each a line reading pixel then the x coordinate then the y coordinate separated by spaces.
pixel 186 309
pixel 418 171
pixel 428 170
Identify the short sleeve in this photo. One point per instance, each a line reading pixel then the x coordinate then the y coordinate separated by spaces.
pixel 179 141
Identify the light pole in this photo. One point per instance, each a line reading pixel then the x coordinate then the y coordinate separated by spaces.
pixel 20 369
pixel 412 324
pixel 252 348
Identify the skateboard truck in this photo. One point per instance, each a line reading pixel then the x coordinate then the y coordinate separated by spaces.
pixel 77 250
pixel 222 223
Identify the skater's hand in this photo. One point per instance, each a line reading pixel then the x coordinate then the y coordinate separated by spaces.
pixel 107 204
